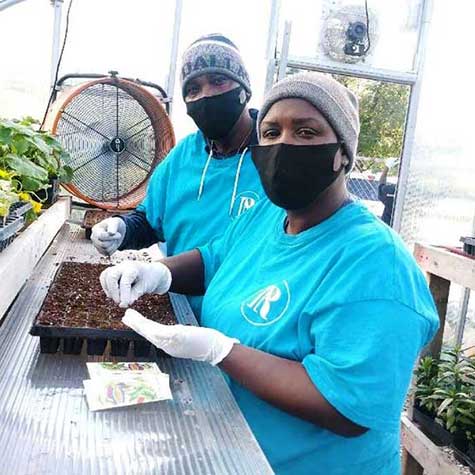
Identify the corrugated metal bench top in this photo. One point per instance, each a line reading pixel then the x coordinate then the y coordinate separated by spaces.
pixel 47 428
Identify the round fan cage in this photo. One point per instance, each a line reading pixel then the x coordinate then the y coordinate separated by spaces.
pixel 335 22
pixel 116 133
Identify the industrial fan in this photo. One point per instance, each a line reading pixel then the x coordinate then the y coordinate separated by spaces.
pixel 116 132
pixel 349 31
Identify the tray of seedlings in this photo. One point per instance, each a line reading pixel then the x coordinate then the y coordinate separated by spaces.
pixel 13 222
pixel 76 312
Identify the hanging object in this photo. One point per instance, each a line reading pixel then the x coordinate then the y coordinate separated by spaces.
pixel 349 32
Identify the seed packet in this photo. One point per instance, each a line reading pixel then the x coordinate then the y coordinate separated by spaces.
pixel 106 369
pixel 107 392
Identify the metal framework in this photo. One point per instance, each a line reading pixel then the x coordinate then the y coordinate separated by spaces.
pixel 8 3
pixel 281 61
pixel 56 42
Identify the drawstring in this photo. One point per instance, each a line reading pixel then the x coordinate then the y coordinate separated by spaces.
pixel 236 180
pixel 236 177
pixel 203 175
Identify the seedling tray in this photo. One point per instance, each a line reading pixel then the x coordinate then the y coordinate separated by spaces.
pixel 20 208
pixel 431 428
pixel 76 312
pixel 13 223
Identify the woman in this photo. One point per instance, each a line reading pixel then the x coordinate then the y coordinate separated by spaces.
pixel 314 307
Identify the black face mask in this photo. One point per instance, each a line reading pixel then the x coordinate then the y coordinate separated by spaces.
pixel 294 175
pixel 215 116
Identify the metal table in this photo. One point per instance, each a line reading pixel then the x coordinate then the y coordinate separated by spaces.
pixel 47 428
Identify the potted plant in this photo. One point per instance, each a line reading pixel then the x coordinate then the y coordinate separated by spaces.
pixel 427 401
pixel 33 157
pixel 445 400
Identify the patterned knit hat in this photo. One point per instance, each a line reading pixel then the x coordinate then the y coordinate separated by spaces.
pixel 337 104
pixel 214 53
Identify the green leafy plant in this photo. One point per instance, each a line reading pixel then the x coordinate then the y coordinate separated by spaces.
pixel 30 159
pixel 426 374
pixel 8 195
pixel 445 388
pixel 35 156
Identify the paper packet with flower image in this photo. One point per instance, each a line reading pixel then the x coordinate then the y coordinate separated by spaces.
pixel 109 368
pixel 126 390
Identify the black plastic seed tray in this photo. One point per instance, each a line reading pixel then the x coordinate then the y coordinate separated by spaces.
pixel 73 284
pixel 71 340
pixel 468 245
pixel 9 228
pixel 20 208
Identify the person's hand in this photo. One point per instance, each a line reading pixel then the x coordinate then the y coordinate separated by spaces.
pixel 182 341
pixel 108 235
pixel 128 281
pixel 391 162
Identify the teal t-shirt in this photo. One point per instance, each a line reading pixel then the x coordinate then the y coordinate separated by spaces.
pixel 344 298
pixel 182 218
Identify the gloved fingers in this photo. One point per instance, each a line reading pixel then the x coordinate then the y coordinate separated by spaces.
pixel 156 333
pixel 113 226
pixel 104 236
pixel 129 279
pixel 102 249
pixel 105 248
pixel 102 279
pixel 163 280
pixel 110 279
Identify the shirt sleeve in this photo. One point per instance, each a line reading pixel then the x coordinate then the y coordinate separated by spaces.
pixel 363 358
pixel 212 255
pixel 138 232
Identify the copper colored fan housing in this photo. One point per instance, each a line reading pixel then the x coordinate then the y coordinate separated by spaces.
pixel 116 133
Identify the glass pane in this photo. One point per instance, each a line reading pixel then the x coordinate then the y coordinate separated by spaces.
pixel 133 38
pixel 336 32
pixel 25 36
pixel 439 205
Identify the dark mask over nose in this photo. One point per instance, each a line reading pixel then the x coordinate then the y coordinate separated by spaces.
pixel 294 175
pixel 215 116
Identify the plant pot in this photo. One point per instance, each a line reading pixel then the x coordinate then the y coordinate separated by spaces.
pixel 431 428
pixel 471 451
pixel 460 441
pixel 49 196
pixel 466 457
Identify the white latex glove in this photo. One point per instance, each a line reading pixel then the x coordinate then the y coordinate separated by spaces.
pixel 108 235
pixel 182 341
pixel 128 281
pixel 391 162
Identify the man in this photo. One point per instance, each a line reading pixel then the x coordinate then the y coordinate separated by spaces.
pixel 208 178
pixel 387 191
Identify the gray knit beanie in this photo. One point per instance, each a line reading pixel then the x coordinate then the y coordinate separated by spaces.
pixel 337 104
pixel 214 53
